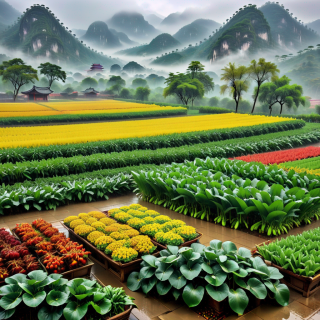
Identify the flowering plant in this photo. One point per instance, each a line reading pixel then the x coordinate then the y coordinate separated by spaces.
pixel 116 245
pixel 107 221
pixel 67 220
pixel 98 224
pixel 102 242
pixel 152 213
pixel 109 229
pixel 137 214
pixel 124 208
pixel 135 240
pixel 94 235
pixel 131 233
pixel 76 222
pixel 161 219
pixel 135 206
pixel 145 247
pixel 112 212
pixel 90 221
pixel 97 214
pixel 124 255
pixel 123 217
pixel 83 216
pixel 83 230
pixel 150 229
pixel 136 223
pixel 187 232
pixel 169 238
pixel 118 236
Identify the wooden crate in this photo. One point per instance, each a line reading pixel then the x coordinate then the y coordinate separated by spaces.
pixel 306 285
pixel 121 270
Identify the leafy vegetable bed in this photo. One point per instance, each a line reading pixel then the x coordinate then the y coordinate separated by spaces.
pixel 269 207
pixel 298 258
pixel 220 270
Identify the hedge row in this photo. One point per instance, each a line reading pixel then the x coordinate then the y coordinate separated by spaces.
pixel 166 141
pixel 214 110
pixel 90 117
pixel 12 173
pixel 313 117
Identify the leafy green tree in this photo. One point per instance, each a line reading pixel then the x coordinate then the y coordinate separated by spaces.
pixel 18 73
pixel 195 67
pixel 116 80
pixel 142 93
pixel 260 72
pixel 280 91
pixel 52 72
pixel 124 93
pixel 206 80
pixel 117 87
pixel 214 102
pixel 89 82
pixel 182 86
pixel 139 82
pixel 318 109
pixel 237 81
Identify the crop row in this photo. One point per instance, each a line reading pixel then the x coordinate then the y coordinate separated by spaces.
pixel 89 117
pixel 165 141
pixel 229 201
pixel 300 253
pixel 52 196
pixel 12 173
pixel 311 163
pixel 285 156
pixel 214 110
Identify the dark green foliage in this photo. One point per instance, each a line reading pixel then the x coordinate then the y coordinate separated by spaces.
pixel 11 173
pixel 89 117
pixel 213 110
pixel 139 82
pixel 214 102
pixel 142 93
pixel 166 141
pixel 133 67
pixel 318 109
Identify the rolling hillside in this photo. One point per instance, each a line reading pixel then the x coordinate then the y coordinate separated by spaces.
pixel 8 14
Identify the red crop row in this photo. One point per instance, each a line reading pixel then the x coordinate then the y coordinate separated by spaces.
pixel 277 157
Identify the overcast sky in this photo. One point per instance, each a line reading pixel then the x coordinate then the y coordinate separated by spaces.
pixel 81 13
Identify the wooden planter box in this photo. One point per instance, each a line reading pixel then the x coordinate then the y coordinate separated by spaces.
pixel 306 285
pixel 81 272
pixel 121 270
pixel 162 246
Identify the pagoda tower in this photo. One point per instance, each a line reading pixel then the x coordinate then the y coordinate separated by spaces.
pixel 96 67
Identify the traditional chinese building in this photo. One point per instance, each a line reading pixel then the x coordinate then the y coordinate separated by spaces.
pixel 96 67
pixel 38 93
pixel 90 92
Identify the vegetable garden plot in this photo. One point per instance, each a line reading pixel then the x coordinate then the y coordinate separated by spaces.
pixel 238 202
pixel 277 157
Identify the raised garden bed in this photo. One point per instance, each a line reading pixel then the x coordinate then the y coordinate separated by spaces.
pixel 163 246
pixel 121 270
pixel 306 285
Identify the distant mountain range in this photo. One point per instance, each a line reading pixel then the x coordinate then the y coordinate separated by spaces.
pixel 196 31
pixel 315 25
pixel 7 13
pixel 153 19
pixel 100 36
pixel 40 34
pixel 133 24
pixel 159 44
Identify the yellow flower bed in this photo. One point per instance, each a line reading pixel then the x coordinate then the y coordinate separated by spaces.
pixel 91 220
pixel 68 220
pixel 98 224
pixel 124 255
pixel 116 245
pixel 150 229
pixel 135 240
pixel 169 238
pixel 187 233
pixel 316 172
pixel 83 230
pixel 145 247
pixel 76 222
pixel 123 216
pixel 97 214
pixel 118 236
pixel 94 235
pixel 102 242
pixel 79 133
pixel 131 233
pixel 83 216
pixel 107 221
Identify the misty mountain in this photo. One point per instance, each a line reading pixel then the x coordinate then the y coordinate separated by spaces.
pixel 196 31
pixel 79 32
pixel 153 19
pixel 8 14
pixel 123 37
pixel 99 35
pixel 286 30
pixel 315 25
pixel 246 31
pixel 133 24
pixel 40 34
pixel 133 67
pixel 2 27
pixel 161 43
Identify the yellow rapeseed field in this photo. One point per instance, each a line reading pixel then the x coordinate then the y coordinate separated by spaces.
pixel 74 107
pixel 79 133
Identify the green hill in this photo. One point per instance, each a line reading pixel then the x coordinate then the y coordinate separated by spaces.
pixel 196 31
pixel 7 13
pixel 40 34
pixel 132 24
pixel 98 34
pixel 286 30
pixel 161 43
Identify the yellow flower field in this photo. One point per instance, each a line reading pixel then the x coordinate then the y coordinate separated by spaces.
pixel 79 107
pixel 79 133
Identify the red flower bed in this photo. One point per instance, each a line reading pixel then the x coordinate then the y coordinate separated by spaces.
pixel 282 156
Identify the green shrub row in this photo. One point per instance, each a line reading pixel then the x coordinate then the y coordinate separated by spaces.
pixel 90 117
pixel 51 196
pixel 165 141
pixel 12 173
pixel 313 117
pixel 214 110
